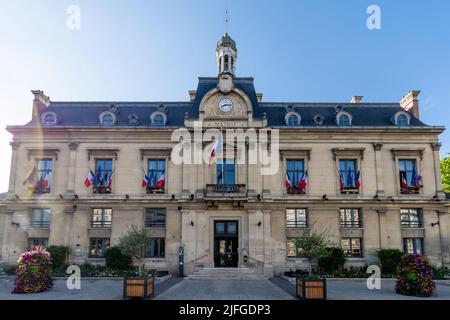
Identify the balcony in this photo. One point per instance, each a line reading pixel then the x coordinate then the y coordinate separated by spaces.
pixel 225 191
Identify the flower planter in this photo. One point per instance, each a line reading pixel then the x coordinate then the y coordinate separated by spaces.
pixel 311 289
pixel 138 287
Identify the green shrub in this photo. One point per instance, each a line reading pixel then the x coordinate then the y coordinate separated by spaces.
pixel 415 276
pixel 331 260
pixel 33 271
pixel 116 259
pixel 389 260
pixel 59 256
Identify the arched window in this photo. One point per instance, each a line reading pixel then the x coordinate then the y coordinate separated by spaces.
pixel 292 119
pixel 344 119
pixel 158 120
pixel 402 120
pixel 107 119
pixel 225 68
pixel 49 119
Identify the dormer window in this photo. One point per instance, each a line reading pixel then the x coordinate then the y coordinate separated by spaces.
pixel 49 119
pixel 158 119
pixel 292 119
pixel 401 119
pixel 107 119
pixel 344 119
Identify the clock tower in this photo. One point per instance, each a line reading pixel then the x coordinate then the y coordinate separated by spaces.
pixel 226 55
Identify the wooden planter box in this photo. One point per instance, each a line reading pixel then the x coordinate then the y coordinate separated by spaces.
pixel 138 287
pixel 311 289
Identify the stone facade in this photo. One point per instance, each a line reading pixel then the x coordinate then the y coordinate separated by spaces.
pixel 191 210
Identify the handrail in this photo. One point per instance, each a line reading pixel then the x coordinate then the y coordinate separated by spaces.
pixel 200 258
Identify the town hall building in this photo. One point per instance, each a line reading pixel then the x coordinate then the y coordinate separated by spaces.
pixel 367 174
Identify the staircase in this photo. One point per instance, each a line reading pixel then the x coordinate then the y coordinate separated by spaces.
pixel 207 273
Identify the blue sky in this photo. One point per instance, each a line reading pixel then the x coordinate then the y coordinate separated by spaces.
pixel 318 51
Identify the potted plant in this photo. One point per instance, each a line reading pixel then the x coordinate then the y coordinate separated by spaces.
pixel 312 246
pixel 134 244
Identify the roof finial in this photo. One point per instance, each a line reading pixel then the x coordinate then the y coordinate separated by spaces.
pixel 227 18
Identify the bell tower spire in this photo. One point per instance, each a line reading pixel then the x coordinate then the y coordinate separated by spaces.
pixel 226 54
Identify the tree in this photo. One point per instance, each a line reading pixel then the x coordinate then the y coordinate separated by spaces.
pixel 312 246
pixel 134 244
pixel 445 172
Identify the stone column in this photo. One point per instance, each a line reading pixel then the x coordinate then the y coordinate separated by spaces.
pixel 379 168
pixel 13 168
pixel 73 146
pixel 267 244
pixel 5 225
pixel 437 170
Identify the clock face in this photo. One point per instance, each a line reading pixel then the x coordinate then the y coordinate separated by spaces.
pixel 225 105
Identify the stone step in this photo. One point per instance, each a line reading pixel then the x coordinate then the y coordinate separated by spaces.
pixel 209 273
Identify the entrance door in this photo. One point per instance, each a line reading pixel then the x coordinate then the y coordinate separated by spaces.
pixel 226 243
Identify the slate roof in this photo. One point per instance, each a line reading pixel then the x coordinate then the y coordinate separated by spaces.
pixel 86 114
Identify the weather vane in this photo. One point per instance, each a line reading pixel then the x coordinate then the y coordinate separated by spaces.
pixel 227 18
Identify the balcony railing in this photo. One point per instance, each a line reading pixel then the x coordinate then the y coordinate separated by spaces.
pixel 101 224
pixel 296 224
pixel 350 224
pixel 412 224
pixel 221 191
pixel 225 188
pixel 410 190
pixel 40 224
pixel 154 189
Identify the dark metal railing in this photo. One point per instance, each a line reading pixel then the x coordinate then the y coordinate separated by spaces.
pixel 101 224
pixel 297 224
pixel 412 224
pixel 155 224
pixel 351 224
pixel 225 188
pixel 40 224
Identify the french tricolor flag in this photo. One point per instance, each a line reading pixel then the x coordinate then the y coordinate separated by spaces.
pixel 304 182
pixel 145 181
pixel 161 181
pixel 287 181
pixel 358 180
pixel 213 151
pixel 89 179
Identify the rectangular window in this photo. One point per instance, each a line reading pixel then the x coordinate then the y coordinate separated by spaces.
pixel 156 175
pixel 225 172
pixel 411 218
pixel 295 171
pixel 408 176
pixel 40 218
pixel 155 248
pixel 296 218
pixel 352 247
pixel 413 246
pixel 101 218
pixel 291 250
pixel 35 242
pixel 155 218
pixel 350 218
pixel 103 174
pixel 44 178
pixel 347 176
pixel 98 246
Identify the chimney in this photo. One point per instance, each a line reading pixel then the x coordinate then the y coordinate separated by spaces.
pixel 259 97
pixel 192 94
pixel 40 102
pixel 410 103
pixel 356 99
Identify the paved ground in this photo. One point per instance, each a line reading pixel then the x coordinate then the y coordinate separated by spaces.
pixel 357 290
pixel 225 290
pixel 90 290
pixel 176 288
